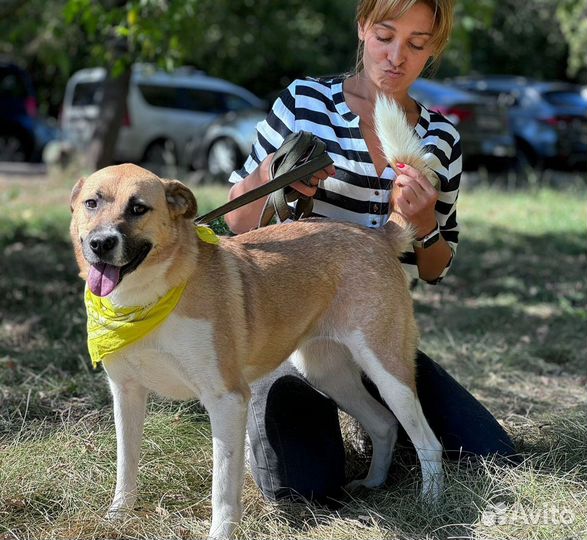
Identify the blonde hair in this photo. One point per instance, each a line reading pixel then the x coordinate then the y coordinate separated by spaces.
pixel 370 12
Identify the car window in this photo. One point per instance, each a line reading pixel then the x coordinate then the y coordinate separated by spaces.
pixel 161 96
pixel 205 100
pixel 87 93
pixel 236 103
pixel 566 98
pixel 189 99
pixel 11 85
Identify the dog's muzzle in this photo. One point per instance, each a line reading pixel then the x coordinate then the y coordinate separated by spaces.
pixel 111 256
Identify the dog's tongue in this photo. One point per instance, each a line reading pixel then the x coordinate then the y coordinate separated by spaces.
pixel 102 278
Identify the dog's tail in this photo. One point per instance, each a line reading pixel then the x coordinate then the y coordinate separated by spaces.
pixel 398 139
pixel 400 144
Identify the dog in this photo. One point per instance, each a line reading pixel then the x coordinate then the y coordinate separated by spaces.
pixel 231 323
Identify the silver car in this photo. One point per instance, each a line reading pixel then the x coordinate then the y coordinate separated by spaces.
pixel 226 142
pixel 165 111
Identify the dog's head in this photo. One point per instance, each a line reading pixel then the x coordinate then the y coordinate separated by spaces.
pixel 125 218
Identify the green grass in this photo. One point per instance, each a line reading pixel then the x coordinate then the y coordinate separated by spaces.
pixel 508 323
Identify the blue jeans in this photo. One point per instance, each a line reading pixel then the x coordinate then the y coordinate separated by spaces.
pixel 296 446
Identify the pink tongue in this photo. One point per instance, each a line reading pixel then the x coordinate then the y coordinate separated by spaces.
pixel 103 278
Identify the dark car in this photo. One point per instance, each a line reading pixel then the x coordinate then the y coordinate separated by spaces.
pixel 482 123
pixel 226 142
pixel 23 134
pixel 548 119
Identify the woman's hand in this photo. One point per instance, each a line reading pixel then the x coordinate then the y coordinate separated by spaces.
pixel 300 186
pixel 414 198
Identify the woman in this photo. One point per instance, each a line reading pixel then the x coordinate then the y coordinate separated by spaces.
pixel 296 446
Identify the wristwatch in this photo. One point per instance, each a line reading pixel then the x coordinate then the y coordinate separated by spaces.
pixel 428 240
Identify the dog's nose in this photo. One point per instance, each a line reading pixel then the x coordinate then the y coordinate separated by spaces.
pixel 102 244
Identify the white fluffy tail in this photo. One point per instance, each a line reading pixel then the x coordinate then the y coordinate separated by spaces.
pixel 398 139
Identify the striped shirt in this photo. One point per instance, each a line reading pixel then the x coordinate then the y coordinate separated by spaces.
pixel 356 193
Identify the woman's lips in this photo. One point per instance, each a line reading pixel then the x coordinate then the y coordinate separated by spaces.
pixel 393 74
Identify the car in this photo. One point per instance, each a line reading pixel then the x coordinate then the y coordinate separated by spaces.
pixel 165 111
pixel 482 123
pixel 548 118
pixel 226 142
pixel 23 133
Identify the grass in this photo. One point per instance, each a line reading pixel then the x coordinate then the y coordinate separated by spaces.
pixel 508 323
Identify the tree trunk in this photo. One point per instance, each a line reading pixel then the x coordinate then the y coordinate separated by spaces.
pixel 100 151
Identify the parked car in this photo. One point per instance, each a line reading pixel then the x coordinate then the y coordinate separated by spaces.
pixel 548 119
pixel 482 123
pixel 226 142
pixel 23 134
pixel 164 110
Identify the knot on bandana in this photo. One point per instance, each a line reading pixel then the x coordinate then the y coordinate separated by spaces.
pixel 111 328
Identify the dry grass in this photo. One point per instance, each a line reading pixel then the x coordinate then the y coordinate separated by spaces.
pixel 509 323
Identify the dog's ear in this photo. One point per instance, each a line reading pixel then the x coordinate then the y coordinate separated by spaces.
pixel 75 192
pixel 180 199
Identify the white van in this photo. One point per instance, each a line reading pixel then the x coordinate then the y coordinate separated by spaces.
pixel 166 111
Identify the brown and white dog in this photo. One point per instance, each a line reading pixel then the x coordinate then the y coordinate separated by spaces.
pixel 134 241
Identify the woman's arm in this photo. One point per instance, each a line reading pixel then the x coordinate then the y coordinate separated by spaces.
pixel 246 217
pixel 414 198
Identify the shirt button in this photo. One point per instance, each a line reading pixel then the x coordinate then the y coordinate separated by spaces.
pixel 373 222
pixel 377 193
pixel 375 208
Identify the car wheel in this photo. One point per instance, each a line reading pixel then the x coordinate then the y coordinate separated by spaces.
pixel 13 148
pixel 161 153
pixel 223 157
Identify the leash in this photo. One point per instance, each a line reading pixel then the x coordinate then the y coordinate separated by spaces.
pixel 299 157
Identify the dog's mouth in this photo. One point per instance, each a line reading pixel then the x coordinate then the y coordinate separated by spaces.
pixel 103 278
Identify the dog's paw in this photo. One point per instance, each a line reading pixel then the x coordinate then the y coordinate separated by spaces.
pixel 362 483
pixel 432 489
pixel 117 513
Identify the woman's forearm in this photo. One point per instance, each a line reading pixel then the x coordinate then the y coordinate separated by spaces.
pixel 433 260
pixel 247 217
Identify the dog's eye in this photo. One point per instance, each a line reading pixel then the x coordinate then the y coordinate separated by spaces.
pixel 91 204
pixel 138 209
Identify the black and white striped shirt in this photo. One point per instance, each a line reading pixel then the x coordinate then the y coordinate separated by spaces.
pixel 356 193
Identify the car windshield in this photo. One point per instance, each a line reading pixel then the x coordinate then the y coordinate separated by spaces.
pixel 566 98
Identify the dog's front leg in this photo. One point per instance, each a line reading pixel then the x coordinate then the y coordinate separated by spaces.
pixel 228 418
pixel 130 401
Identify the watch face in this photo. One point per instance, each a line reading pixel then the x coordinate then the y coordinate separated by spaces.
pixel 432 239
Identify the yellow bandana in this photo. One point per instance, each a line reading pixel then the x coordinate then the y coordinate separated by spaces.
pixel 111 328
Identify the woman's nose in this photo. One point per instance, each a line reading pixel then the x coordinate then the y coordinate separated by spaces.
pixel 396 53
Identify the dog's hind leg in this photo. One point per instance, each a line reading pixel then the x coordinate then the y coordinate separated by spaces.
pixel 129 400
pixel 404 403
pixel 228 418
pixel 329 367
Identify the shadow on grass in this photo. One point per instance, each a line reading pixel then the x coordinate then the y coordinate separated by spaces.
pixel 522 295
pixel 518 292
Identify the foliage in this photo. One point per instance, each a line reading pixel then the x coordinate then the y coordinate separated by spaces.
pixel 263 44
pixel 491 38
pixel 572 16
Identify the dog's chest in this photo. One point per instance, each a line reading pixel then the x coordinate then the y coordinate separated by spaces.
pixel 177 361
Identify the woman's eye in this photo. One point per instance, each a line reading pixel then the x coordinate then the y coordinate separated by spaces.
pixel 91 203
pixel 416 47
pixel 383 39
pixel 138 209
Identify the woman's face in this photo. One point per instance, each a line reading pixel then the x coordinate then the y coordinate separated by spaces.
pixel 396 50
